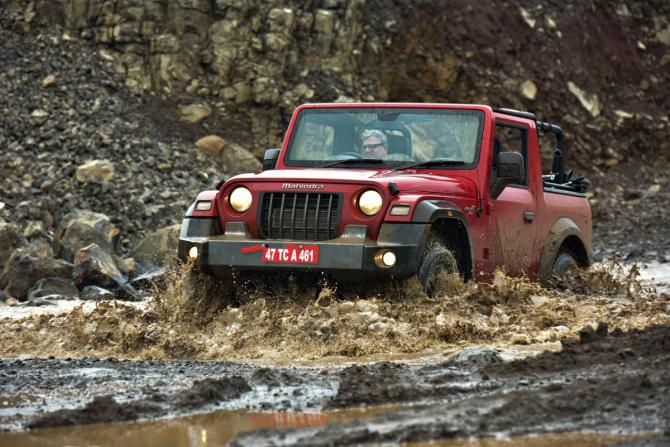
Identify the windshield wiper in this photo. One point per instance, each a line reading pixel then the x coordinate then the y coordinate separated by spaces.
pixel 431 163
pixel 354 161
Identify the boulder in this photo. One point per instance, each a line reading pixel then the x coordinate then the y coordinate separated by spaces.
pixel 95 293
pixel 53 288
pixel 28 265
pixel 95 266
pixel 195 113
pixel 10 240
pixel 160 247
pixel 81 228
pixel 129 293
pixel 95 171
pixel 211 145
pixel 238 160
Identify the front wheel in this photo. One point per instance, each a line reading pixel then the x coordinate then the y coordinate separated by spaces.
pixel 564 264
pixel 437 264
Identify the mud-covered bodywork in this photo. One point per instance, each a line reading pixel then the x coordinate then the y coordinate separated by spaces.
pixel 323 206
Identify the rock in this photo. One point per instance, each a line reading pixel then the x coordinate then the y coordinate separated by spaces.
pixel 653 190
pixel 95 171
pixel 211 145
pixel 662 30
pixel 81 228
pixel 3 296
pixel 10 240
pixel 195 113
pixel 589 101
pixel 477 357
pixel 238 160
pixel 529 89
pixel 39 113
pixel 95 266
pixel 95 293
pixel 33 228
pixel 520 339
pixel 48 80
pixel 530 21
pixel 160 247
pixel 53 289
pixel 28 265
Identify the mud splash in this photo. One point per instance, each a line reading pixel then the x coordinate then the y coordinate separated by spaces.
pixel 195 316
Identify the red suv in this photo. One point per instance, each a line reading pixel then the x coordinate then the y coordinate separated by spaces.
pixel 391 190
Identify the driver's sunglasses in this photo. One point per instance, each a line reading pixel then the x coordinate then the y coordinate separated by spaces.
pixel 371 147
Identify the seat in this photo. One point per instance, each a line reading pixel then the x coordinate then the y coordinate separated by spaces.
pixel 399 144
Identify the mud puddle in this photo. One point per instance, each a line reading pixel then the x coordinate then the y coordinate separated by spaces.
pixel 210 429
pixel 219 428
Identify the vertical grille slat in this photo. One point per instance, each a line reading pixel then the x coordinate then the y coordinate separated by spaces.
pixel 304 217
pixel 281 216
pixel 299 215
pixel 295 202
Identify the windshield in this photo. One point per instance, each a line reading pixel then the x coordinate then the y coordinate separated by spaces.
pixel 386 137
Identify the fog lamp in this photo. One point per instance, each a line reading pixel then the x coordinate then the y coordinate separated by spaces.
pixel 193 252
pixel 385 258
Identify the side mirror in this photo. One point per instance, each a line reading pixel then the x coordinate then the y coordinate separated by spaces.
pixel 511 169
pixel 270 159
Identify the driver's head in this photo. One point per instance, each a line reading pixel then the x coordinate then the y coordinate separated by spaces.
pixel 374 144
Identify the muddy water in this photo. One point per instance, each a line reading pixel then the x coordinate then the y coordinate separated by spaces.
pixel 200 318
pixel 209 429
pixel 220 427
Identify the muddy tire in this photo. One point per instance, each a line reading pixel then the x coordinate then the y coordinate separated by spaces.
pixel 437 262
pixel 564 264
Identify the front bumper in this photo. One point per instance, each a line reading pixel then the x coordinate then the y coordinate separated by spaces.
pixel 348 257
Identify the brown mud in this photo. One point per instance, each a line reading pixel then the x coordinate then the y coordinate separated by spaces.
pixel 473 362
pixel 197 317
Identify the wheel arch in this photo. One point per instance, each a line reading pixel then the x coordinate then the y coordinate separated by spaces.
pixel 448 221
pixel 563 235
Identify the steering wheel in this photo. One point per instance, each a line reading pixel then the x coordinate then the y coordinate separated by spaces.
pixel 345 156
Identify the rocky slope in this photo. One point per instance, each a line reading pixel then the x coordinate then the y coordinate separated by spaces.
pixel 103 101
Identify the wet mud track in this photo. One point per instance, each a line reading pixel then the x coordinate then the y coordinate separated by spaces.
pixel 605 381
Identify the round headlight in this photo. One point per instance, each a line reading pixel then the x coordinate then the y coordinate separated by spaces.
pixel 370 202
pixel 240 199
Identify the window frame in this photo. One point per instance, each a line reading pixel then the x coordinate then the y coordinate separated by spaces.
pixel 524 153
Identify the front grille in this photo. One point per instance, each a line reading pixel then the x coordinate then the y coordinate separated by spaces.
pixel 299 215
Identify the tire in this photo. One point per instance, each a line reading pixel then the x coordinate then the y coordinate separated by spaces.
pixel 564 264
pixel 437 262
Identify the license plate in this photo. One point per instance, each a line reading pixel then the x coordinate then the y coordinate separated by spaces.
pixel 292 254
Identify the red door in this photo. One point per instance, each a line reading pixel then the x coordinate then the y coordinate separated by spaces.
pixel 512 215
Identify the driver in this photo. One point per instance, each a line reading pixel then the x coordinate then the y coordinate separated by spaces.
pixel 374 144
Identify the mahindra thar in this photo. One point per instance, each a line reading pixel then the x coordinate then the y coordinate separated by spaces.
pixel 390 190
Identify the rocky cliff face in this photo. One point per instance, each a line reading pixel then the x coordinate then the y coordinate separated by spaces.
pixel 599 68
pixel 128 108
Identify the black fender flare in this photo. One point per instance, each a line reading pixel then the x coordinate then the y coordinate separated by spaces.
pixel 430 211
pixel 560 231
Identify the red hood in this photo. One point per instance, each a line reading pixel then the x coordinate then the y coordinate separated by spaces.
pixel 406 181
